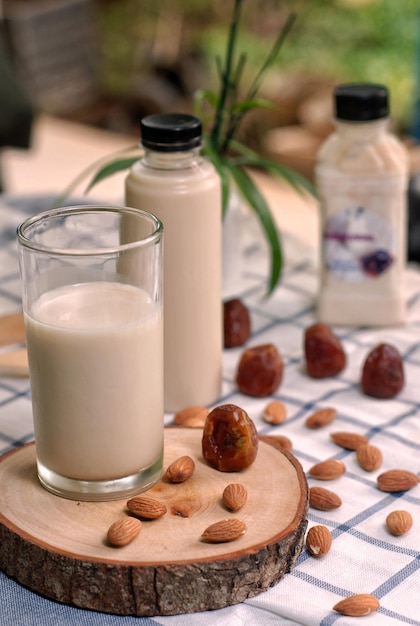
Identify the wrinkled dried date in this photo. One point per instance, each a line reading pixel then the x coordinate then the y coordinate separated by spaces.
pixel 236 323
pixel 260 370
pixel 382 372
pixel 230 440
pixel 324 354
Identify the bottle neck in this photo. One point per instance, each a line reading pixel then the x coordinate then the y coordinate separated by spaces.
pixel 362 131
pixel 171 160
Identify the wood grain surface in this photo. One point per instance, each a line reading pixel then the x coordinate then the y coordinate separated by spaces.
pixel 58 547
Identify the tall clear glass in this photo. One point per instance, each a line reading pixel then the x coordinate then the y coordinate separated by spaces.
pixel 92 302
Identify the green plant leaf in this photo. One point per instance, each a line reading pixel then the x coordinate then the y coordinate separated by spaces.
pixel 247 105
pixel 272 55
pixel 87 171
pixel 220 164
pixel 253 159
pixel 111 168
pixel 296 180
pixel 257 203
pixel 205 95
pixel 226 76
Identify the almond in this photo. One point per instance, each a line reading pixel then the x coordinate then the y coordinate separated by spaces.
pixel 123 531
pixel 358 605
pixel 234 496
pixel 318 541
pixel 321 418
pixel 145 507
pixel 369 457
pixel 275 412
pixel 191 416
pixel 348 441
pixel 225 530
pixel 399 522
pixel 280 442
pixel 323 499
pixel 397 480
pixel 180 470
pixel 327 470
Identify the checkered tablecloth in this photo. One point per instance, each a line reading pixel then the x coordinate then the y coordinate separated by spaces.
pixel 364 557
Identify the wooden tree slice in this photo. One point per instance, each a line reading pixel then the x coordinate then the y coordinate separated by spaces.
pixel 58 547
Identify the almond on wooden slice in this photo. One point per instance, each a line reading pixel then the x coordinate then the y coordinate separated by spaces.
pixel 397 480
pixel 327 470
pixel 348 441
pixel 321 418
pixel 191 416
pixel 225 530
pixel 145 507
pixel 275 412
pixel 359 605
pixel 323 499
pixel 318 541
pixel 123 531
pixel 369 457
pixel 399 522
pixel 234 496
pixel 180 470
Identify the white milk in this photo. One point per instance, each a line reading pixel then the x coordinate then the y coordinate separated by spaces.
pixel 187 201
pixel 95 355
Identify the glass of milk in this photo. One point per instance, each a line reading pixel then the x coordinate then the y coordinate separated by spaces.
pixel 92 302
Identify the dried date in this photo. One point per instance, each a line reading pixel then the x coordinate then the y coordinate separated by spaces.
pixel 236 323
pixel 382 372
pixel 260 370
pixel 230 440
pixel 324 353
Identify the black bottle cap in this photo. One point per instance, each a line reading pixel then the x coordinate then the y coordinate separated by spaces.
pixel 361 102
pixel 171 132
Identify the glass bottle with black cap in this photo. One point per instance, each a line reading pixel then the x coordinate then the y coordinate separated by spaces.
pixel 183 190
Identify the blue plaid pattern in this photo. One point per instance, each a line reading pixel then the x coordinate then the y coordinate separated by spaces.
pixel 364 557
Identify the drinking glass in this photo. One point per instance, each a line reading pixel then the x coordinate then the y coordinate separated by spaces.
pixel 92 303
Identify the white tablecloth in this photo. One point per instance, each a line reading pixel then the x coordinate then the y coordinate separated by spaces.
pixel 364 557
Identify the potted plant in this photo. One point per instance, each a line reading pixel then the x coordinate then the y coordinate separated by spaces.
pixel 222 112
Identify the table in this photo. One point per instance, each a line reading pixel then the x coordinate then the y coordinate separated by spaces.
pixel 364 557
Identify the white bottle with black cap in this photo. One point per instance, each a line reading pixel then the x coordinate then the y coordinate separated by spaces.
pixel 183 190
pixel 361 176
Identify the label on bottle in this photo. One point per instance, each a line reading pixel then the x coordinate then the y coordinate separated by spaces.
pixel 358 244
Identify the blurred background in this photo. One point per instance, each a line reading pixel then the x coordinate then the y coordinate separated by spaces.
pixel 107 63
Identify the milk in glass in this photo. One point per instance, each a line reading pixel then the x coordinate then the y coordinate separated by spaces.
pixel 96 359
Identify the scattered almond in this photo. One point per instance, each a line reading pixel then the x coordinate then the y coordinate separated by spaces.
pixel 275 412
pixel 358 605
pixel 180 470
pixel 369 457
pixel 123 531
pixel 323 499
pixel 327 470
pixel 223 531
pixel 280 442
pixel 234 496
pixel 318 541
pixel 321 418
pixel 145 507
pixel 349 441
pixel 191 416
pixel 397 480
pixel 399 522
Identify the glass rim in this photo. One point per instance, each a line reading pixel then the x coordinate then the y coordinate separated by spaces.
pixel 25 242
